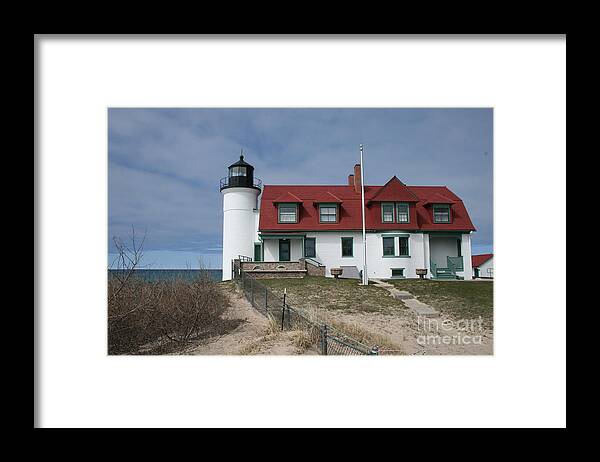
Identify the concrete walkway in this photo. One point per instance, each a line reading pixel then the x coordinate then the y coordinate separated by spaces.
pixel 419 308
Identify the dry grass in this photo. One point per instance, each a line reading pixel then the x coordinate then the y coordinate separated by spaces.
pixel 335 294
pixel 163 316
pixel 352 330
pixel 304 340
pixel 158 317
pixel 460 299
pixel 366 337
pixel 301 340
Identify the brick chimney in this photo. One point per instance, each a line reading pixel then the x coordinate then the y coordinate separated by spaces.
pixel 351 180
pixel 357 178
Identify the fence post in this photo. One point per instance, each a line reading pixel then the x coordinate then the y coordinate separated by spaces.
pixel 266 300
pixel 324 340
pixel 283 308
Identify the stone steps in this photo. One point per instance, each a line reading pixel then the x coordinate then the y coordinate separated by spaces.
pixel 419 308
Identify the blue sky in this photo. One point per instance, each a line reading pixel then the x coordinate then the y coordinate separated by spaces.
pixel 164 165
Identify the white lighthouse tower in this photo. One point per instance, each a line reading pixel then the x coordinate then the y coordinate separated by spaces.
pixel 240 213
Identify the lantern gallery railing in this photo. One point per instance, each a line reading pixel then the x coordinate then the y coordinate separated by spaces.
pixel 239 182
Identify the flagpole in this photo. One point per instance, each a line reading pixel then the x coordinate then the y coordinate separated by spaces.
pixel 365 277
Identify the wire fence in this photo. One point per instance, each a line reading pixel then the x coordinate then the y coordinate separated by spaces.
pixel 329 340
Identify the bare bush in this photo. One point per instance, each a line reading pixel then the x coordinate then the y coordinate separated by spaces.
pixel 142 313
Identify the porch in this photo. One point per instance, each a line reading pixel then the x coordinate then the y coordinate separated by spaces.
pixel 445 256
pixel 281 256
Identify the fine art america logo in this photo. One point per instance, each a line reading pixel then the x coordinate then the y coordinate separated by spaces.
pixel 449 332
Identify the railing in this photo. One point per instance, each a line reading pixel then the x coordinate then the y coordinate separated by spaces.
pixel 313 262
pixel 455 263
pixel 244 258
pixel 433 267
pixel 330 341
pixel 238 181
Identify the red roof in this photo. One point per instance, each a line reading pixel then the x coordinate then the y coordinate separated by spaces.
pixel 326 197
pixel 287 197
pixel 394 190
pixel 419 198
pixel 478 260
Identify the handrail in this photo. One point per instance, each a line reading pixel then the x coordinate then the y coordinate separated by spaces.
pixel 313 262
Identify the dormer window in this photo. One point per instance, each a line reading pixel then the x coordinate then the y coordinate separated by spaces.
pixel 402 215
pixel 328 213
pixel 387 212
pixel 441 213
pixel 397 212
pixel 288 213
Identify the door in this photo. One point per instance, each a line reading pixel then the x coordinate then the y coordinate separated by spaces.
pixel 284 250
pixel 257 252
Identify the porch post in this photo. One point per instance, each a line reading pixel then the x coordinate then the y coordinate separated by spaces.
pixel 465 247
pixel 427 255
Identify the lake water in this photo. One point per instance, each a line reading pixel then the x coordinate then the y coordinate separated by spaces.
pixel 173 274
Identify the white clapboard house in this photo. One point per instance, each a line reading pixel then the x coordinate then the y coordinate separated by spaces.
pixel 408 228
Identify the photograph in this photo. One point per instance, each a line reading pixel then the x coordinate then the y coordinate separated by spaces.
pixel 300 231
pixel 294 231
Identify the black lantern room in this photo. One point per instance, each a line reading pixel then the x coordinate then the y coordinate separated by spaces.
pixel 241 175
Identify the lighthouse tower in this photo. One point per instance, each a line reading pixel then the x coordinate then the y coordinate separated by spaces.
pixel 240 213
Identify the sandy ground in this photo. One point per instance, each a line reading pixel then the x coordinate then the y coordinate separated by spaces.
pixel 254 335
pixel 421 336
pixel 412 335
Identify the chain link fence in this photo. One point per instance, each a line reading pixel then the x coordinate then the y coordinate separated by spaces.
pixel 329 340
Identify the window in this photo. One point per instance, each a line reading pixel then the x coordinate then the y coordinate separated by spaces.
pixel 387 212
pixel 310 247
pixel 389 244
pixel 397 272
pixel 288 213
pixel 403 246
pixel 458 248
pixel 395 210
pixel 328 213
pixel 402 215
pixel 238 171
pixel 441 213
pixel 347 247
pixel 388 247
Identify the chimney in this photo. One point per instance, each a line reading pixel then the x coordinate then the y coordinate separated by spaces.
pixel 357 178
pixel 350 180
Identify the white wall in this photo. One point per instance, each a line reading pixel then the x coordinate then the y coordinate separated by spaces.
pixel 271 249
pixel 296 249
pixel 329 252
pixel 239 225
pixel 329 249
pixel 381 267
